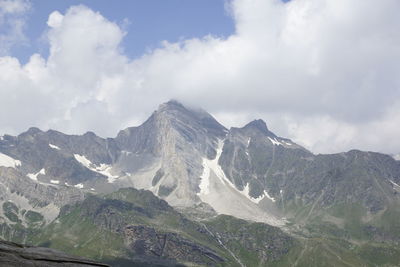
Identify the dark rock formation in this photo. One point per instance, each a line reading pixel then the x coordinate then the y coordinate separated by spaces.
pixel 16 255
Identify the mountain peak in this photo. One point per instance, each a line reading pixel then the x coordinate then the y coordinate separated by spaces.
pixel 258 124
pixel 171 105
pixel 32 131
pixel 188 115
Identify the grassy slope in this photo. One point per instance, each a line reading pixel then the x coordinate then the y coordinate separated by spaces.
pixel 318 243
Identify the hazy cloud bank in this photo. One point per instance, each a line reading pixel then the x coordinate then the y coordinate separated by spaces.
pixel 325 73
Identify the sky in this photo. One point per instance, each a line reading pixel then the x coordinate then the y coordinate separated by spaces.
pixel 325 73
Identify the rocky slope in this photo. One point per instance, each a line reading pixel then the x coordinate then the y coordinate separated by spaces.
pixel 16 255
pixel 355 192
pixel 199 167
pixel 136 226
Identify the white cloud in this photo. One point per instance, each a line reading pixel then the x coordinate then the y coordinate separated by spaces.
pixel 323 72
pixel 55 19
pixel 12 23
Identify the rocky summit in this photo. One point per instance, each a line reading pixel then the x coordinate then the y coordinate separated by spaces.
pixel 181 189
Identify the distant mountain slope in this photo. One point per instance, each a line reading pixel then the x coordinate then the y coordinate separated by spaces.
pixel 135 228
pixel 185 157
pixel 135 225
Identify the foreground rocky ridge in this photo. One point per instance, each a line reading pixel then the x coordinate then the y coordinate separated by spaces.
pixel 12 254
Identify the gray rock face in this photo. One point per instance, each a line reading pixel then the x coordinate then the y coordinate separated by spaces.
pixel 147 242
pixel 255 157
pixel 145 229
pixel 53 152
pixel 169 148
pixel 12 254
pixel 249 155
pixel 186 157
pixel 13 183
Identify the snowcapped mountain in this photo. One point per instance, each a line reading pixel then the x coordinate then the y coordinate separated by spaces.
pixel 53 185
pixel 186 157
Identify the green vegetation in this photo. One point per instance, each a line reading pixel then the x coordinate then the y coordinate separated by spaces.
pixel 121 227
pixel 254 243
pixel 11 211
pixel 34 218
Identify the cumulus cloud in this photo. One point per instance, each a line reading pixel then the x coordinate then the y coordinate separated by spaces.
pixel 322 72
pixel 12 23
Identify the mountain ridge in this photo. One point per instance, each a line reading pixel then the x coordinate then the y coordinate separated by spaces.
pixel 186 157
pixel 183 159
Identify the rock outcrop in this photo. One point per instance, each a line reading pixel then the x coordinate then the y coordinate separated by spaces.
pixel 16 255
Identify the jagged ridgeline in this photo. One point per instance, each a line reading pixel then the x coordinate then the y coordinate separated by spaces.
pixel 181 189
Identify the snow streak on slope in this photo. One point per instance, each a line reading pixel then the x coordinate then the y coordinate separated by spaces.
pixel 216 168
pixel 395 186
pixel 83 160
pixel 34 176
pixel 246 193
pixel 54 146
pixel 80 186
pixel 7 161
pixel 394 183
pixel 205 181
pixel 221 194
pixel 274 141
pixel 103 169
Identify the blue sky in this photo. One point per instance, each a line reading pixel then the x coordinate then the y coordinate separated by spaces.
pixel 321 72
pixel 147 22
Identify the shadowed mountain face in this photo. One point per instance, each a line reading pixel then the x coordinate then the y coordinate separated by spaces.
pixel 187 158
pixel 16 255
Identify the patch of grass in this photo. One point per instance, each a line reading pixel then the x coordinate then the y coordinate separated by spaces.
pixel 33 217
pixel 11 211
pixel 380 254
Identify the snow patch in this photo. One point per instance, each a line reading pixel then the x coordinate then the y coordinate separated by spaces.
pixel 248 141
pixel 54 181
pixel 83 160
pixel 205 178
pixel 34 176
pixel 396 157
pixel 212 165
pixel 274 141
pixel 216 168
pixel 394 183
pixel 268 196
pixel 80 186
pixel 103 169
pixel 221 194
pixel 54 146
pixel 246 193
pixel 7 161
pixel 286 143
pixel 127 153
